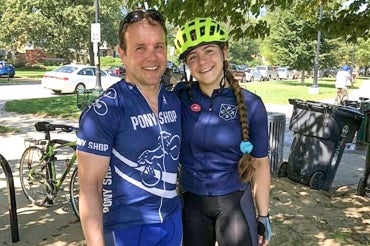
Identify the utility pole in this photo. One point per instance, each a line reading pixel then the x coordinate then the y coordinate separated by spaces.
pixel 315 88
pixel 95 39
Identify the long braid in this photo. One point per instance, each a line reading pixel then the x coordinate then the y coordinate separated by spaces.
pixel 245 167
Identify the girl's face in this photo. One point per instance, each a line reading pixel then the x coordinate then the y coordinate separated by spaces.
pixel 206 64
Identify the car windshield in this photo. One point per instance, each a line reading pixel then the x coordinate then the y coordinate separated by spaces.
pixel 65 69
pixel 281 69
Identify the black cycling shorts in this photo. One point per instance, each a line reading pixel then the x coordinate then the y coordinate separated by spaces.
pixel 207 219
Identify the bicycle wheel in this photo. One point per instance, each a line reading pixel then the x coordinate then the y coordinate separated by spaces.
pixel 74 192
pixel 344 98
pixel 33 175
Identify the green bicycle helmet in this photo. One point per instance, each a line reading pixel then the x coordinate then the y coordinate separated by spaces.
pixel 197 32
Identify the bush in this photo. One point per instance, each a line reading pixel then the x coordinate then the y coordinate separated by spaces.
pixel 110 61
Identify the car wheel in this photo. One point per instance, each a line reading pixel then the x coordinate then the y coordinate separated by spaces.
pixel 57 92
pixel 252 79
pixel 79 87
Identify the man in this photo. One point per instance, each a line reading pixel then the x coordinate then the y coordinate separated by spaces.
pixel 343 79
pixel 128 147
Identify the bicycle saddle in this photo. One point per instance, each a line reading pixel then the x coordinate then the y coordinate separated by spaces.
pixel 43 126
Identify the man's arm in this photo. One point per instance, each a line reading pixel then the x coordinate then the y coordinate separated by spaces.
pixel 91 172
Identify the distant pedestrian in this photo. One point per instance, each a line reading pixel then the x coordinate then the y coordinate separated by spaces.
pixel 343 79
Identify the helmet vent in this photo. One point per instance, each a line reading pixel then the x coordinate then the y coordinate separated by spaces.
pixel 193 35
pixel 202 31
pixel 212 30
pixel 184 38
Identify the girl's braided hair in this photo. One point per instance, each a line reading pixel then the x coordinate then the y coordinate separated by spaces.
pixel 245 167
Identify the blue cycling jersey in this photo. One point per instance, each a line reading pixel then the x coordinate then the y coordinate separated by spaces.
pixel 210 148
pixel 140 184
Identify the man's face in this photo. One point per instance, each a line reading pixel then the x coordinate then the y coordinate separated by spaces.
pixel 145 57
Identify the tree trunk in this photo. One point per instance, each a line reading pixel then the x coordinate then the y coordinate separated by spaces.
pixel 302 77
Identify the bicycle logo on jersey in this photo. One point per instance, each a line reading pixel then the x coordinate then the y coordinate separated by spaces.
pixel 152 160
pixel 99 106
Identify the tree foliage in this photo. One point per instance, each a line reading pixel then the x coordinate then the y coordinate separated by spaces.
pixel 287 43
pixel 56 26
pixel 351 22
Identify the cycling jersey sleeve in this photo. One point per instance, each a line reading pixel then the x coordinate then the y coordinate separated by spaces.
pixel 98 124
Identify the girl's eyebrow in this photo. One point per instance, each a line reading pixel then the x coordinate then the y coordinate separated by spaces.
pixel 204 47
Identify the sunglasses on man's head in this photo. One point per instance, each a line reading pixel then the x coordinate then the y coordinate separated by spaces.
pixel 141 14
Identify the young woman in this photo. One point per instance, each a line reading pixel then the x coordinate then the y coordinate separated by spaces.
pixel 224 153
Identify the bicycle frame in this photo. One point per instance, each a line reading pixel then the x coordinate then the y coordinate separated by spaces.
pixel 50 160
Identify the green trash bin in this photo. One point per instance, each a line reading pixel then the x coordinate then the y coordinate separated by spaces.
pixel 362 131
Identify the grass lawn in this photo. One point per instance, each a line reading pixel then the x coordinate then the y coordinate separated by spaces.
pixel 279 92
pixel 63 106
pixel 4 129
pixel 26 73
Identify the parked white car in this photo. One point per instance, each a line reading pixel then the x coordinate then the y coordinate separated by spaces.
pixel 73 77
pixel 284 73
pixel 268 72
pixel 252 74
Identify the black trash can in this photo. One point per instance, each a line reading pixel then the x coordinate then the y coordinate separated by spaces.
pixel 363 186
pixel 276 129
pixel 321 132
pixel 361 134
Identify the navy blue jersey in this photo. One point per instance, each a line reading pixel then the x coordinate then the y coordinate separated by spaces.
pixel 140 184
pixel 210 148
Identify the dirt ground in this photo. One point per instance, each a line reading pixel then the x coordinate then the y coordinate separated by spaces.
pixel 300 216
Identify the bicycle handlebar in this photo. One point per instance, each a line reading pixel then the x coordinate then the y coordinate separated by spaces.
pixel 44 126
